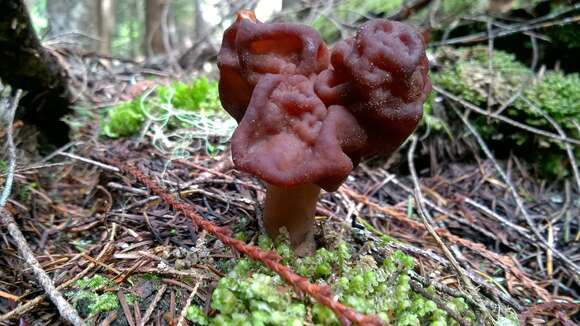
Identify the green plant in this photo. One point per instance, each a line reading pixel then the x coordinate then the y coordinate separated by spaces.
pixel 201 94
pixel 176 105
pixel 465 72
pixel 87 295
pixel 125 119
pixel 252 295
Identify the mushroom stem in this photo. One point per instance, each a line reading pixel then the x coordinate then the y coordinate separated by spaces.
pixel 293 209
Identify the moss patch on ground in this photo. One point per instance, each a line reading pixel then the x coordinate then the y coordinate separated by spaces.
pixel 178 104
pixel 252 295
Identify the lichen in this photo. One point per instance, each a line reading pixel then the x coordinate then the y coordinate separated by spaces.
pixel 252 295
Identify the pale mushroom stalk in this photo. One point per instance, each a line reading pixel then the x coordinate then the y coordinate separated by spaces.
pixel 293 209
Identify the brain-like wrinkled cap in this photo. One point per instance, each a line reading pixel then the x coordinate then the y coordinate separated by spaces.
pixel 307 116
pixel 388 69
pixel 251 49
pixel 289 137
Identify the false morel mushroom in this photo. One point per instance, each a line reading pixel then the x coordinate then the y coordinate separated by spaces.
pixel 307 114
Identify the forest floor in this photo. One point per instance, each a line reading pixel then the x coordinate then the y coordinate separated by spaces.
pixel 84 213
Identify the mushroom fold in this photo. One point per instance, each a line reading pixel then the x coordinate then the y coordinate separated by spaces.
pixel 307 115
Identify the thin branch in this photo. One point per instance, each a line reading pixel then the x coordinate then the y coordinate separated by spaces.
pixel 561 132
pixel 424 214
pixel 66 310
pixel 517 198
pixel 153 305
pixel 180 321
pixel 514 123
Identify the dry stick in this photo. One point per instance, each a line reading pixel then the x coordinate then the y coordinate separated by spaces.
pixel 508 31
pixel 517 198
pixel 20 310
pixel 560 131
pixel 425 217
pixel 514 123
pixel 187 303
pixel 321 293
pixel 65 309
pixel 153 305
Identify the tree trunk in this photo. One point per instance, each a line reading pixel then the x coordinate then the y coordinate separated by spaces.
pixel 155 31
pixel 199 26
pixel 28 66
pixel 105 24
pixel 73 20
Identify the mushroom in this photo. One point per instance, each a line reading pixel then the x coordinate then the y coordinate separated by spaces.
pixel 307 116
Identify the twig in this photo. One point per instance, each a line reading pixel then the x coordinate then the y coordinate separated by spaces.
pixel 426 218
pixel 89 161
pixel 408 9
pixel 561 132
pixel 321 293
pixel 417 287
pixel 514 123
pixel 11 151
pixel 508 31
pixel 517 198
pixel 21 310
pixel 66 310
pixel 187 303
pixel 153 305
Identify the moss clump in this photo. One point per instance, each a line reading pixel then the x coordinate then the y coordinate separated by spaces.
pixel 196 315
pixel 253 295
pixel 201 94
pixel 94 302
pixel 125 119
pixel 466 73
pixel 177 105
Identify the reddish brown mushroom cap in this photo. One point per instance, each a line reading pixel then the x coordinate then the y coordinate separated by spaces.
pixel 234 89
pixel 387 67
pixel 302 120
pixel 288 137
pixel 280 49
pixel 251 49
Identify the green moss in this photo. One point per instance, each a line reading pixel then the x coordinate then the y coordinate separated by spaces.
pixel 196 315
pixel 125 119
pixel 201 94
pixel 176 105
pixel 88 296
pixel 252 295
pixel 466 73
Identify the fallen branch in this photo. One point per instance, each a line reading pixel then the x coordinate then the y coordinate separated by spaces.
pixel 321 293
pixel 65 309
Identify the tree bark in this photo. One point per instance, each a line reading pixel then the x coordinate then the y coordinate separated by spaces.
pixel 105 24
pixel 155 32
pixel 27 65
